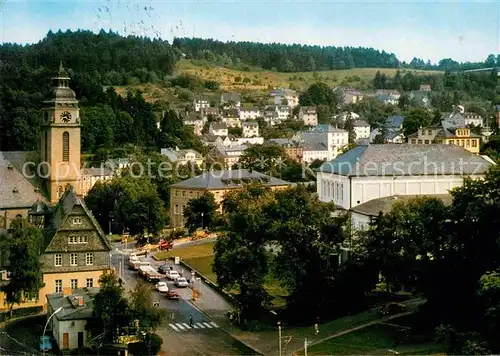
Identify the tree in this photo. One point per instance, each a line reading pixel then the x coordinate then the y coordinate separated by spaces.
pixel 349 127
pixel 111 311
pixel 201 212
pixel 142 308
pixel 319 94
pixel 266 158
pixel 415 119
pixel 23 245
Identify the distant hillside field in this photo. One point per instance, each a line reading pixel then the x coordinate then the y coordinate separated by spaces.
pixel 257 81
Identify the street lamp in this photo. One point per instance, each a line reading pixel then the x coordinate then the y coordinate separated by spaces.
pixel 279 336
pixel 47 323
pixel 202 220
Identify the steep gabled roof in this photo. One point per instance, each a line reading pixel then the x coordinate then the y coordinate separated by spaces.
pixel 63 209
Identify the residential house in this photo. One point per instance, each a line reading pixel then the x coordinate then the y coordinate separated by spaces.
pixel 425 87
pixel 90 176
pixel 231 117
pixel 375 171
pixel 228 155
pixel 312 151
pixel 271 116
pixel 249 114
pixel 332 138
pixel 118 164
pixel 308 115
pixel 247 141
pixel 349 95
pixel 218 129
pixel 211 140
pixel 200 104
pixel 464 119
pixel 395 122
pixel 364 215
pixel 197 121
pixel 183 156
pixel 421 97
pixel 250 129
pixel 346 115
pixel 394 93
pixel 388 99
pixel 448 135
pixel 286 97
pixel 284 112
pixel 391 135
pixel 293 149
pixel 69 324
pixel 219 183
pixel 361 129
pixel 213 112
pixel 230 100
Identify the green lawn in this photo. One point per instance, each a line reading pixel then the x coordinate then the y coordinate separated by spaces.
pixel 200 257
pixel 373 340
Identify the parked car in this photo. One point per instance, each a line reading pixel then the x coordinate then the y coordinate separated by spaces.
pixel 172 295
pixel 172 274
pixel 45 343
pixel 162 287
pixel 391 309
pixel 181 282
pixel 163 269
pixel 165 245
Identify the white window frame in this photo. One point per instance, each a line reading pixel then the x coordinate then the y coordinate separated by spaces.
pixel 74 283
pixel 89 283
pixel 89 259
pixel 58 285
pixel 73 256
pixel 77 221
pixel 58 256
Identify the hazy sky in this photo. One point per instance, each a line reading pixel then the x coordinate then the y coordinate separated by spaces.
pixel 465 31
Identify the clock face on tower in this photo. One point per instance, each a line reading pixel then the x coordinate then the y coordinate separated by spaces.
pixel 66 117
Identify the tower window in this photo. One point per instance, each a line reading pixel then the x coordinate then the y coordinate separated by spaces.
pixel 66 146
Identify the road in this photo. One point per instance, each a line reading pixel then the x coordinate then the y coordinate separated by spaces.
pixel 204 338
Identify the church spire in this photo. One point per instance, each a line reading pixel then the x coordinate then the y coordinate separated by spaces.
pixel 62 71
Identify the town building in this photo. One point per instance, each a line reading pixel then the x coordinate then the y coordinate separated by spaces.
pixel 464 119
pixel 313 151
pixel 425 87
pixel 90 176
pixel 228 155
pixel 448 135
pixel 75 250
pixel 231 118
pixel 219 183
pixel 361 129
pixel 213 112
pixel 200 104
pixel 349 95
pixel 271 116
pixel 259 140
pixel 197 120
pixel 69 324
pixel 182 156
pixel 249 114
pixel 250 129
pixel 293 149
pixel 308 115
pixel 391 135
pixel 364 215
pixel 286 97
pixel 346 115
pixel 421 97
pixel 218 129
pixel 375 171
pixel 230 100
pixel 333 139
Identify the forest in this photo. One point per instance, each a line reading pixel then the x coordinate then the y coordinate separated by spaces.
pixel 305 58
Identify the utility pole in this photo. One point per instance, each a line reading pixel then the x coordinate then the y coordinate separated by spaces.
pixel 305 346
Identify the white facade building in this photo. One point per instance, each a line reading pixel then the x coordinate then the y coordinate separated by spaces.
pixel 465 119
pixel 248 141
pixel 250 114
pixel 200 104
pixel 285 97
pixel 361 129
pixel 308 116
pixel 331 138
pixel 371 172
pixel 250 129
pixel 183 156
pixel 218 129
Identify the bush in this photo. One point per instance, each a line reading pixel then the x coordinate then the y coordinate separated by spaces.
pixel 133 81
pixel 151 345
pixel 211 85
pixel 16 313
pixel 186 81
pixel 184 94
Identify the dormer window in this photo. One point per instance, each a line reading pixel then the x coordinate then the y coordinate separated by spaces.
pixel 77 221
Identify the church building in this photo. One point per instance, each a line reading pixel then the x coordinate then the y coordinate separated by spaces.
pixel 44 187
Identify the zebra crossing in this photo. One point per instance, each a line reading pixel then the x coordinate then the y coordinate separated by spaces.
pixel 180 327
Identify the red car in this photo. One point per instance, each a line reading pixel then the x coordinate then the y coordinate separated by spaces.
pixel 172 295
pixel 164 245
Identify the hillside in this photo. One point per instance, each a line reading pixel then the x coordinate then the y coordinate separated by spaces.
pixel 257 82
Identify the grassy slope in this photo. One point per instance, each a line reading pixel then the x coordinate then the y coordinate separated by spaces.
pixel 226 78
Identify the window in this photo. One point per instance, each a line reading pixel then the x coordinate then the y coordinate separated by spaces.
pixel 74 283
pixel 176 209
pixel 77 221
pixel 429 132
pixel 65 153
pixel 89 259
pixel 176 193
pixel 73 259
pixel 420 141
pixel 58 260
pixel 426 142
pixel 474 143
pixel 90 282
pixel 414 141
pixel 452 142
pixel 467 143
pixel 341 192
pixel 58 283
pixel 183 193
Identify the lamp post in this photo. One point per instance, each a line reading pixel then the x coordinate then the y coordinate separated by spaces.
pixel 202 214
pixel 47 323
pixel 279 336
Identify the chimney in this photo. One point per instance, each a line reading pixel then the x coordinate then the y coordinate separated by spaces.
pixel 66 291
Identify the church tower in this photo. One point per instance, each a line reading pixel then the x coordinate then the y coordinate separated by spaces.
pixel 60 141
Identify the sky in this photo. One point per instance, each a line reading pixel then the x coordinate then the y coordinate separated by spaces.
pixel 431 30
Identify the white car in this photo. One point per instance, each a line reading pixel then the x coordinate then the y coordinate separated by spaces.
pixel 162 287
pixel 172 274
pixel 181 282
